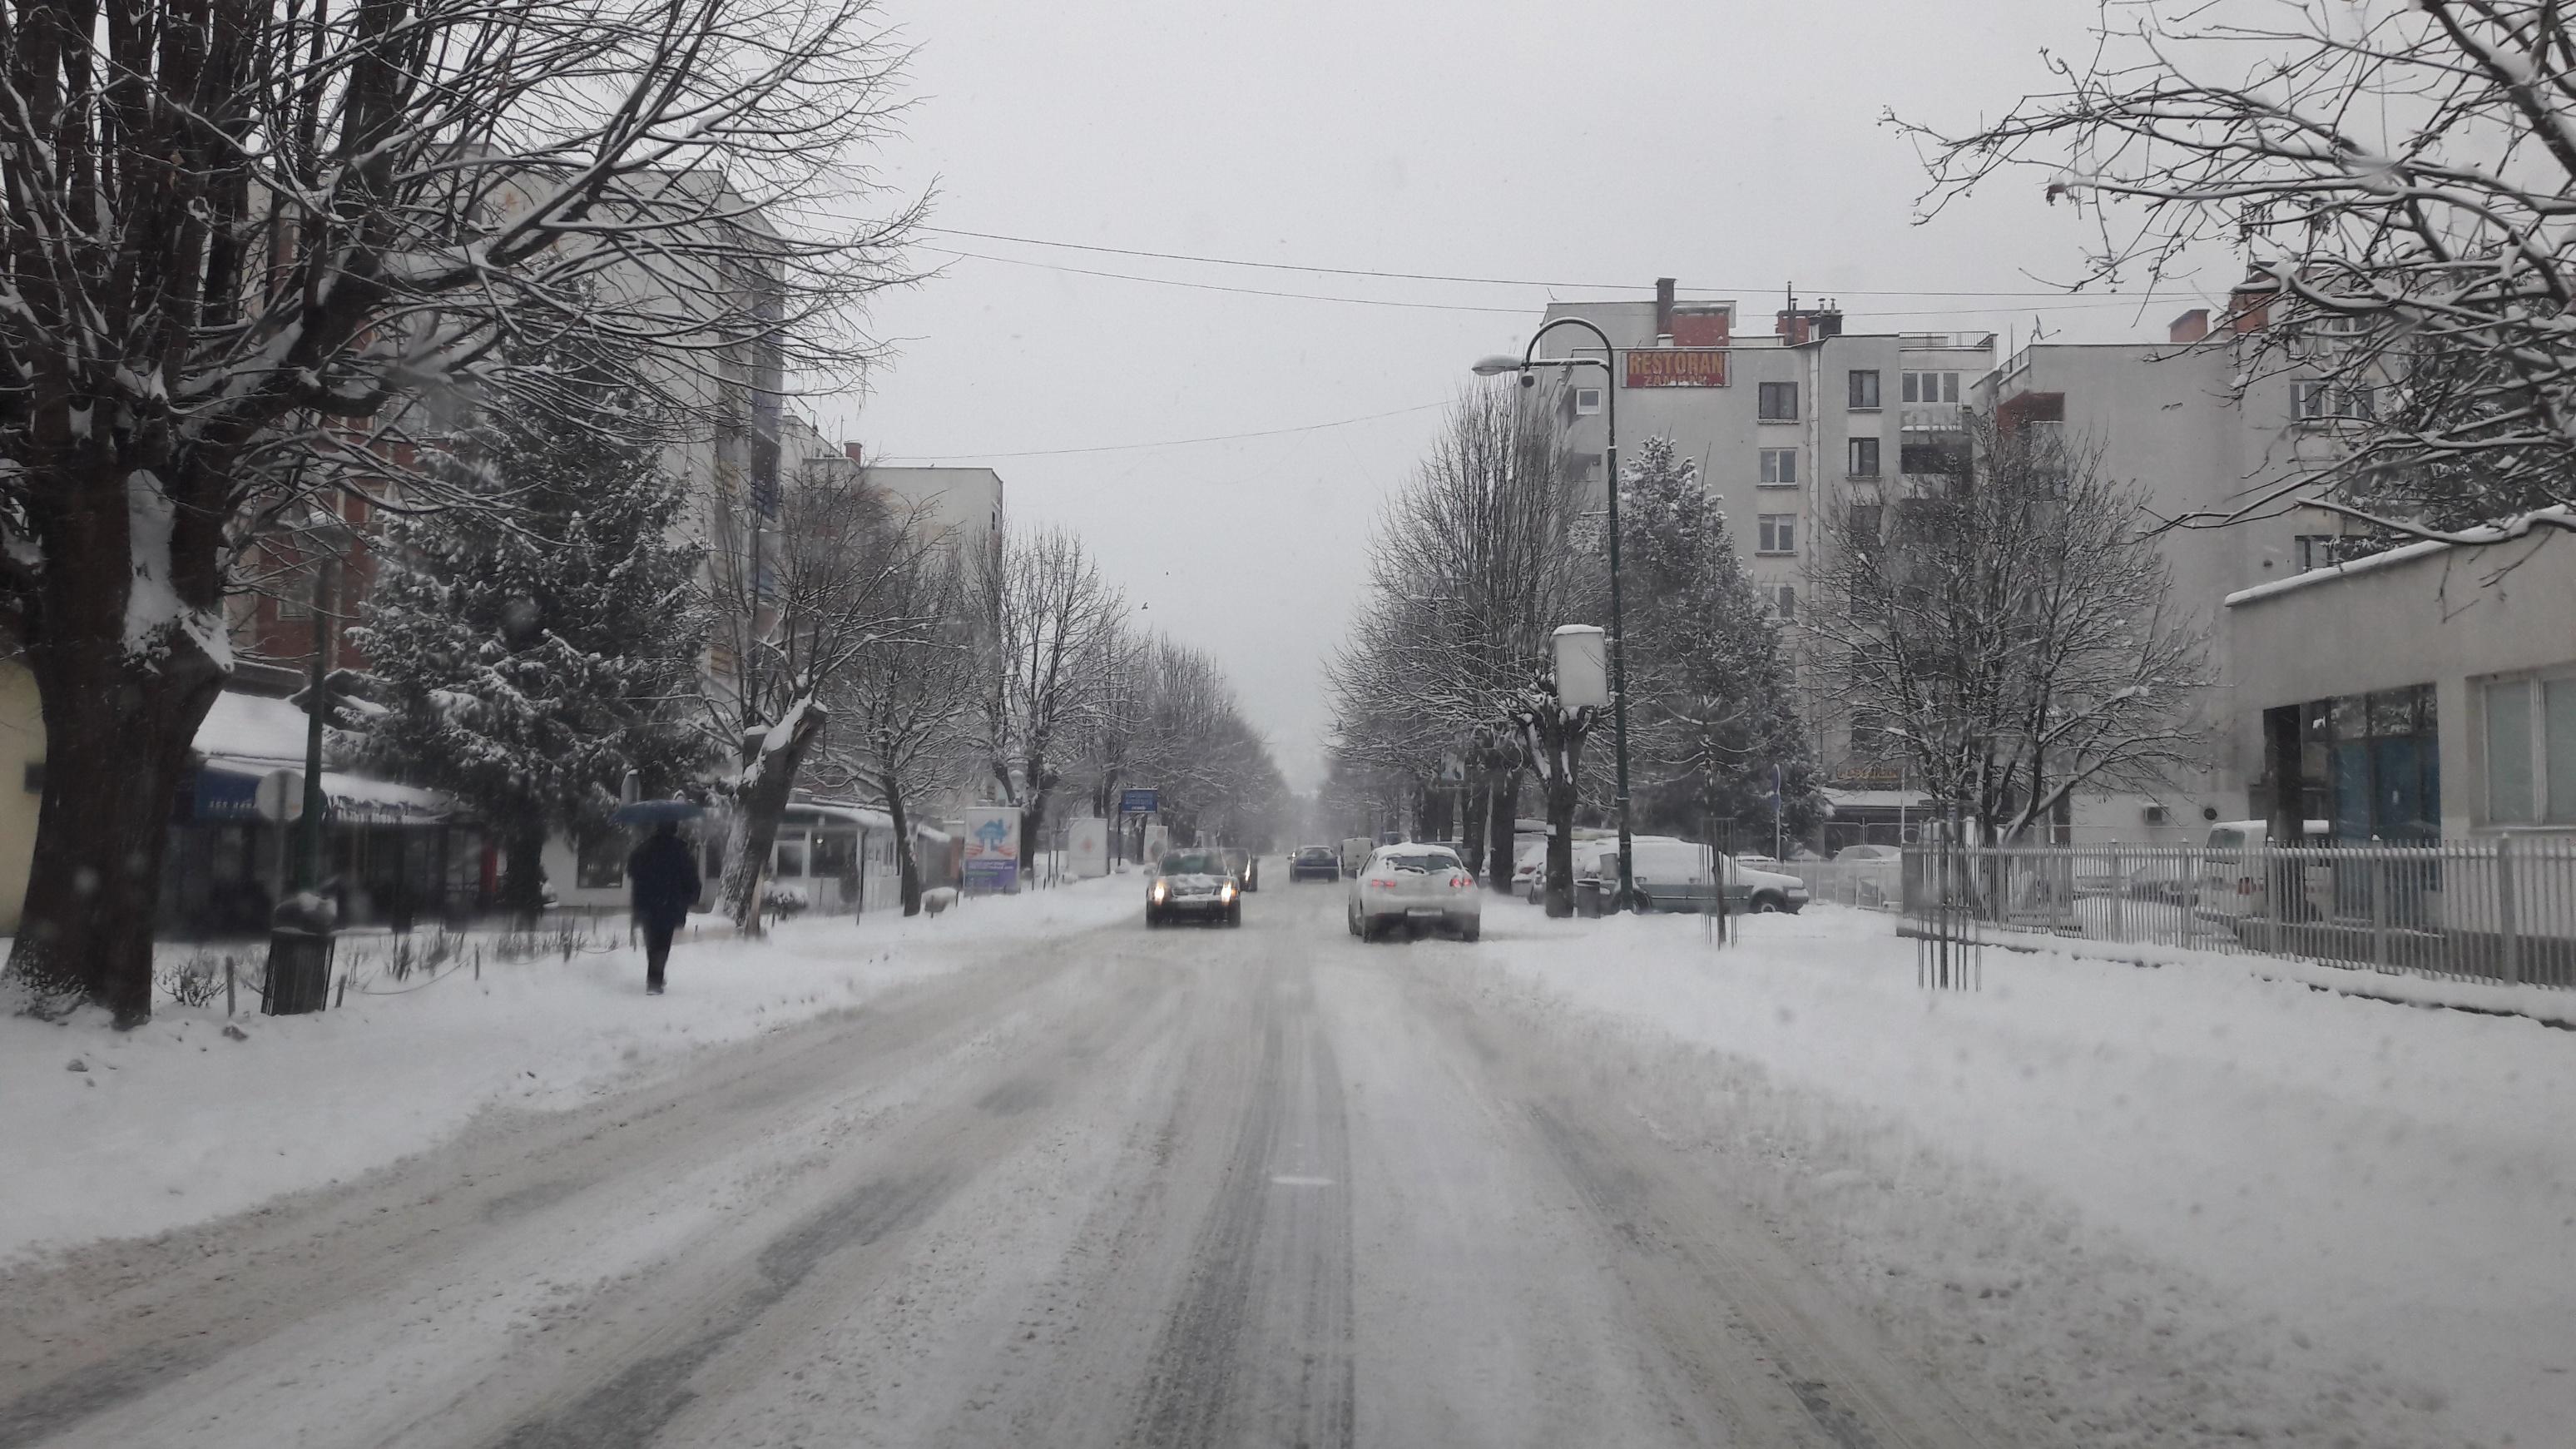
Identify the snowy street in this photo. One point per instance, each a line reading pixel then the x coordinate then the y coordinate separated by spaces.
pixel 1092 1185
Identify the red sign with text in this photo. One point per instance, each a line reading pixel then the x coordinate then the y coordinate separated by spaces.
pixel 1677 367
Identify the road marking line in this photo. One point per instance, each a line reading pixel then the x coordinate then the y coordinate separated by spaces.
pixel 1301 1182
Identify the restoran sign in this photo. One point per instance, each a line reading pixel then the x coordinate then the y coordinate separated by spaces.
pixel 1677 367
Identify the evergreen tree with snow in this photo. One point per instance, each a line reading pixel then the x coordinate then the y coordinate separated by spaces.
pixel 1710 687
pixel 530 651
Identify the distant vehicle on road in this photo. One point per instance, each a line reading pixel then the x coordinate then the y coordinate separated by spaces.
pixel 1529 871
pixel 1246 867
pixel 1314 862
pixel 1355 854
pixel 1415 888
pixel 1193 885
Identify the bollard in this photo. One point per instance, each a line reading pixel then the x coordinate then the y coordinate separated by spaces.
pixel 228 988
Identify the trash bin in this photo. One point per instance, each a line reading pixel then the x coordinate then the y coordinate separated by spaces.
pixel 1589 898
pixel 300 941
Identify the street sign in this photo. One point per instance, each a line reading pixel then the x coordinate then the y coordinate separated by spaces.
pixel 281 796
pixel 1140 802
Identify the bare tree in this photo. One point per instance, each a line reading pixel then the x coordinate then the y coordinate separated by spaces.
pixel 2396 176
pixel 1049 623
pixel 1473 567
pixel 2012 635
pixel 240 240
pixel 833 577
pixel 900 707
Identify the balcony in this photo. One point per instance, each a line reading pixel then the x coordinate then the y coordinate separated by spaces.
pixel 1929 418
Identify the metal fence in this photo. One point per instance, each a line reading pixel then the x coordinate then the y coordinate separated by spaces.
pixel 1876 885
pixel 2501 909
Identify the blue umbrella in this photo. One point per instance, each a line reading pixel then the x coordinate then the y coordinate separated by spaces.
pixel 653 812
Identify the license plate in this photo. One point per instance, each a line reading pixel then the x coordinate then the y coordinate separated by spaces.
pixel 1424 911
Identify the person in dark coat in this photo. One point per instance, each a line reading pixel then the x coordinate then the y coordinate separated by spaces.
pixel 663 875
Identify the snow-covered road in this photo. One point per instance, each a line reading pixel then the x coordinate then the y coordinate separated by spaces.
pixel 1184 1188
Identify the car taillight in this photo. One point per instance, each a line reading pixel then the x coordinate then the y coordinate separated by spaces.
pixel 2245 885
pixel 1380 883
pixel 1458 879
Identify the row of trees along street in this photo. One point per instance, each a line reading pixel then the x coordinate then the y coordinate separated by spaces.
pixel 477 277
pixel 1446 675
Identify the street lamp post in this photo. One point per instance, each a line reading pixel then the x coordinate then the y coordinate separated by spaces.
pixel 1608 362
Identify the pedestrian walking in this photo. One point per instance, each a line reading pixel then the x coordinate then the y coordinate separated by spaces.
pixel 664 878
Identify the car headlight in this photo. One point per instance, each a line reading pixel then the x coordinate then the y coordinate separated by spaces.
pixel 1227 893
pixel 1159 892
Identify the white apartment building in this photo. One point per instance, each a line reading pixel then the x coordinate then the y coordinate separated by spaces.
pixel 1785 425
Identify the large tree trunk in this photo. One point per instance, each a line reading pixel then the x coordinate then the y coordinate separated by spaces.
pixel 1561 796
pixel 1471 831
pixel 523 873
pixel 1033 813
pixel 907 870
pixel 769 778
pixel 118 730
pixel 117 633
pixel 1500 822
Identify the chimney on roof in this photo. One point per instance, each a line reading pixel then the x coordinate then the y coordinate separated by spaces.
pixel 851 451
pixel 1829 320
pixel 2191 326
pixel 1663 311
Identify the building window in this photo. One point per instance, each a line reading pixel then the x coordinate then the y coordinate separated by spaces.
pixel 1779 533
pixel 1776 402
pixel 1866 522
pixel 1931 387
pixel 1784 602
pixel 1864 388
pixel 1779 467
pixel 791 858
pixel 294 602
pixel 2314 551
pixel 2531 751
pixel 35 777
pixel 2314 399
pixel 1587 401
pixel 1864 457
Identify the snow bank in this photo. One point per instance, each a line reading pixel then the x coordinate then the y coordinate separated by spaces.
pixel 176 1122
pixel 2394 1183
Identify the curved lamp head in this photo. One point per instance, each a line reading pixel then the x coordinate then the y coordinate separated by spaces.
pixel 1497 365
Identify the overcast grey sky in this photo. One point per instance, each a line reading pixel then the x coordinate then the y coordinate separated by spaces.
pixel 1736 147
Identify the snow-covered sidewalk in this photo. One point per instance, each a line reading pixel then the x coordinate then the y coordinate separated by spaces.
pixel 2395 1183
pixel 109 1134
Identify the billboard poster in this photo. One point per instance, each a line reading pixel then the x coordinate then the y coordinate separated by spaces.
pixel 1086 847
pixel 992 848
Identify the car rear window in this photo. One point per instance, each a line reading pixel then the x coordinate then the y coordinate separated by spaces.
pixel 1425 861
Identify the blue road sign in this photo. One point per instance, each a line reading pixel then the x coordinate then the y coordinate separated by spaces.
pixel 1139 802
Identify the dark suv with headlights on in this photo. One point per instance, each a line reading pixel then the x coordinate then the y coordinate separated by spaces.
pixel 1193 885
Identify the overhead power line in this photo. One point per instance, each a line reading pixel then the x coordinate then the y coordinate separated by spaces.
pixel 1457 306
pixel 1166 443
pixel 1447 277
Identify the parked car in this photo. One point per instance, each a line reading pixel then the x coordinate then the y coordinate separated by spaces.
pixel 1869 875
pixel 1529 872
pixel 1674 875
pixel 1246 867
pixel 2231 871
pixel 1414 888
pixel 1193 885
pixel 1314 862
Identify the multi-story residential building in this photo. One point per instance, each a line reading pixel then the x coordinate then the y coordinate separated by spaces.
pixel 1787 428
pixel 2171 418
